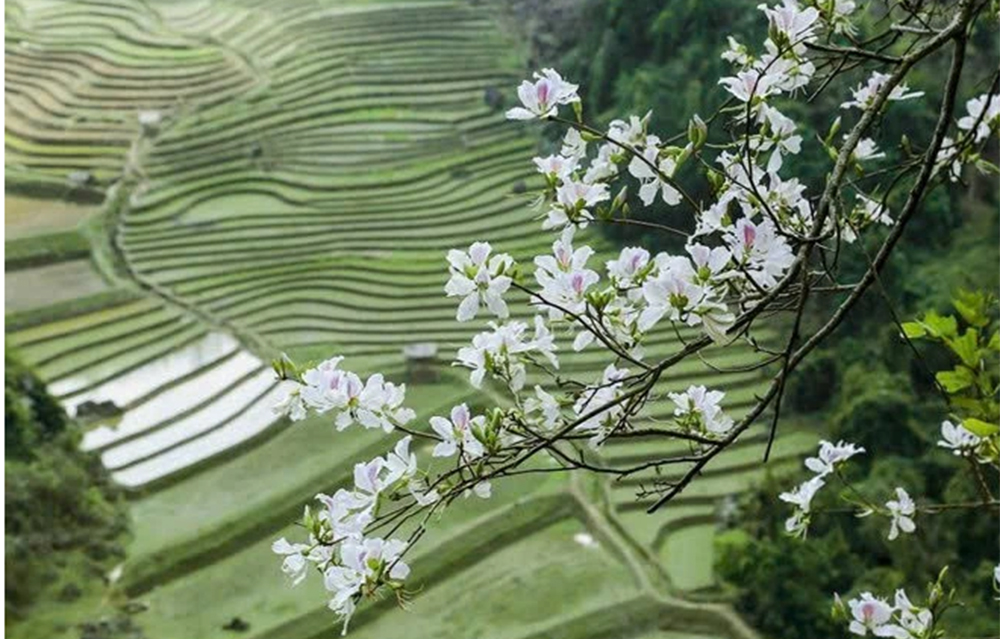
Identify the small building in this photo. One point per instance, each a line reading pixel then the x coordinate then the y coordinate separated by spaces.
pixel 150 122
pixel 421 362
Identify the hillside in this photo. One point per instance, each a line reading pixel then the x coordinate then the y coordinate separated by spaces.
pixel 309 166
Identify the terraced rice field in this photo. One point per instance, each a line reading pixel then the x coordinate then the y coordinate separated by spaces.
pixel 314 161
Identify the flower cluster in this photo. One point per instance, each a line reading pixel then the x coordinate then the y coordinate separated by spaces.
pixel 504 351
pixel 374 403
pixel 596 408
pixel 828 460
pixel 698 409
pixel 959 439
pixel 742 239
pixel 543 97
pixel 901 620
pixel 353 565
pixel 479 279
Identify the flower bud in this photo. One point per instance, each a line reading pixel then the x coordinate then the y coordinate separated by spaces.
pixel 697 132
pixel 834 129
pixel 620 199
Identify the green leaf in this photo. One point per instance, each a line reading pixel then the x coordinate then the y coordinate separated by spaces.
pixel 956 380
pixel 914 330
pixel 967 348
pixel 967 404
pixel 972 306
pixel 979 427
pixel 994 344
pixel 940 325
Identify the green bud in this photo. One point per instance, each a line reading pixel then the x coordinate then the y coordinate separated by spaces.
pixel 578 110
pixel 904 143
pixel 672 151
pixel 716 180
pixel 645 120
pixel 683 156
pixel 697 132
pixel 838 611
pixel 620 199
pixel 834 129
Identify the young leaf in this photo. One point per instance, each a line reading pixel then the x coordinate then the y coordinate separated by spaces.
pixel 979 427
pixel 956 380
pixel 966 347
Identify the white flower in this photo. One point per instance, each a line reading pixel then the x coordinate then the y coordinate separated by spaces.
pixel 604 166
pixel 830 455
pixel 871 210
pixel 563 259
pixel 585 539
pixel 546 405
pixel 764 253
pixel 573 146
pixel 542 98
pixel 672 293
pixel 866 150
pixel 350 511
pixel 749 84
pixel 326 386
pixel 914 621
pixel 901 510
pixel 573 200
pixel 362 562
pixel 864 95
pixel 801 497
pixel 483 490
pixel 556 166
pixel 783 72
pixel 479 279
pixel 291 405
pixel 502 352
pixel 736 53
pixel 596 397
pixel 567 291
pixel 869 614
pixel 985 110
pixel 400 462
pixel 373 404
pixel 949 154
pixel 420 494
pixel 653 182
pixel 957 438
pixel 376 405
pixel 702 405
pixel 708 263
pixel 368 481
pixel 294 565
pixel 840 16
pixel 782 136
pixel 458 434
pixel 629 270
pixel 544 342
pixel 795 24
pixel 632 133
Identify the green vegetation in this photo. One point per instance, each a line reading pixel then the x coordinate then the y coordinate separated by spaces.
pixel 45 249
pixel 64 518
pixel 895 415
